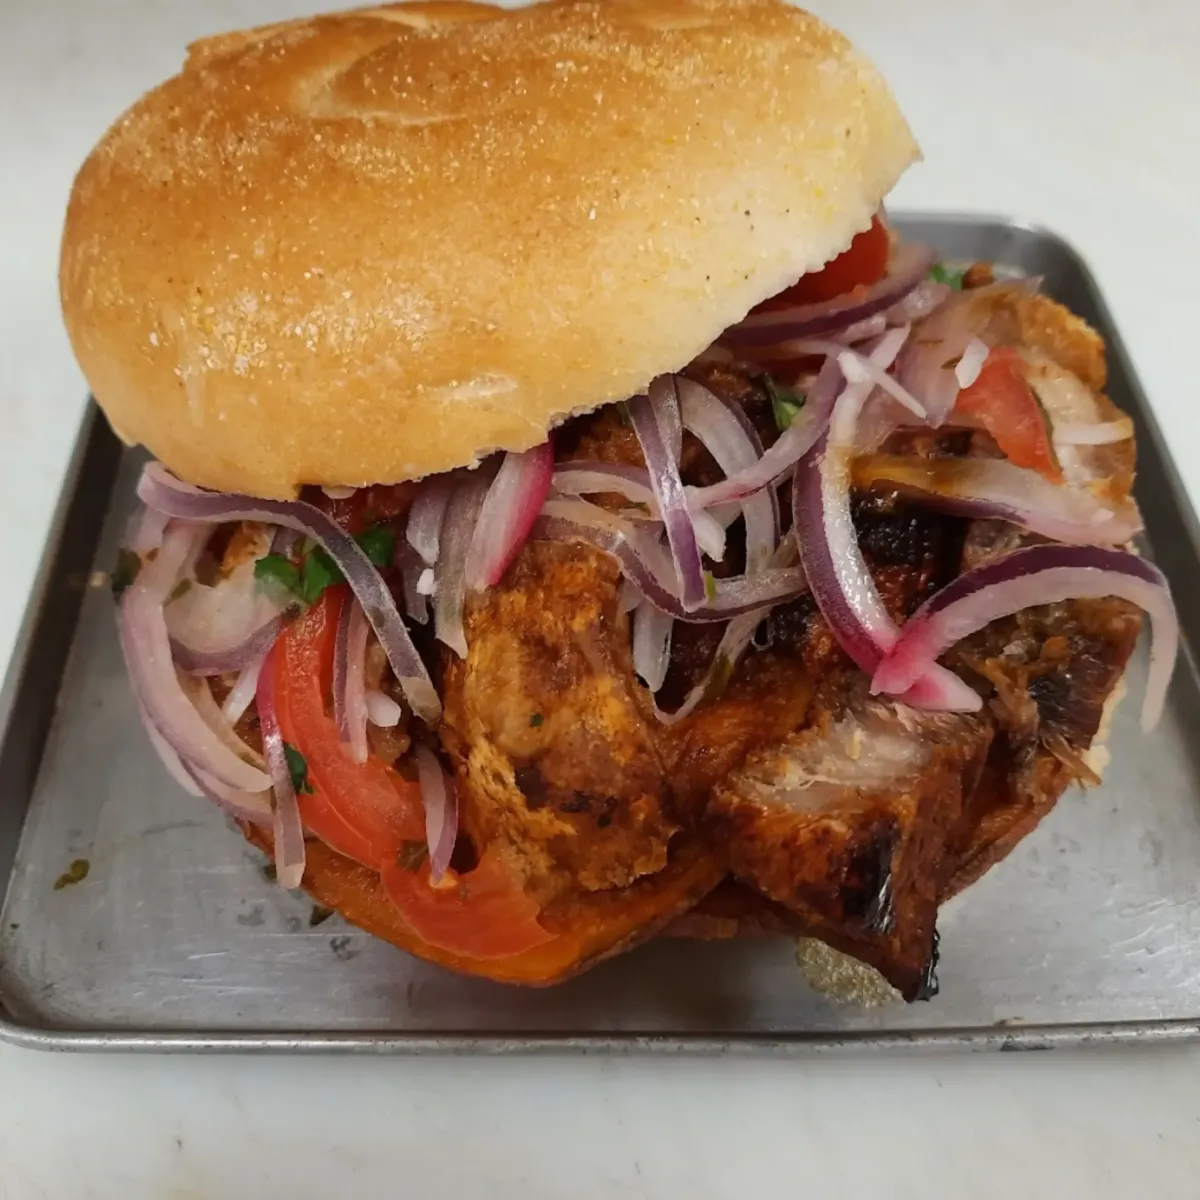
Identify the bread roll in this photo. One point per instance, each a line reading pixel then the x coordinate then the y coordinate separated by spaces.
pixel 371 246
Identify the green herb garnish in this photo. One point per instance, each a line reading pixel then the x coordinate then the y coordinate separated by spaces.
pixel 297 769
pixel 379 542
pixel 785 402
pixel 710 586
pixel 317 572
pixel 77 872
pixel 940 273
pixel 276 570
pixel 129 563
pixel 536 720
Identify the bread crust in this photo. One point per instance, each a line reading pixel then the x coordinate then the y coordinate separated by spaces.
pixel 370 246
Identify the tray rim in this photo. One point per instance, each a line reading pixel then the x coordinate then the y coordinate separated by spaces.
pixel 30 1034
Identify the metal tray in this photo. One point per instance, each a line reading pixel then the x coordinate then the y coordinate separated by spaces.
pixel 176 940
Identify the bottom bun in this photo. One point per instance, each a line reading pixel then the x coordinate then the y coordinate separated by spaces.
pixel 596 925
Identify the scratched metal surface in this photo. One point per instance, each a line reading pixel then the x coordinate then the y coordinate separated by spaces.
pixel 176 939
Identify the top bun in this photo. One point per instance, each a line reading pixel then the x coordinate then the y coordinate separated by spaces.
pixel 371 246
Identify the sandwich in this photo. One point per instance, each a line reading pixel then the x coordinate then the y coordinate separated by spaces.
pixel 573 513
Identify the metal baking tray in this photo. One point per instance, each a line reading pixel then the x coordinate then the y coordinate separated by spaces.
pixel 175 939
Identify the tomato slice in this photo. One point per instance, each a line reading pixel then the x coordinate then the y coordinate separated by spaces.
pixel 365 811
pixel 861 264
pixel 481 914
pixel 1002 401
pixel 369 812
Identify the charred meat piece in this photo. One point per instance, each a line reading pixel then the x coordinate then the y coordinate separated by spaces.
pixel 845 826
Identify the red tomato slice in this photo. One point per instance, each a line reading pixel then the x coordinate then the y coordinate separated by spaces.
pixel 1002 401
pixel 481 914
pixel 368 812
pixel 861 264
pixel 365 811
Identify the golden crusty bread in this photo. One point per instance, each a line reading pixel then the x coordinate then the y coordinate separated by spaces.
pixel 370 246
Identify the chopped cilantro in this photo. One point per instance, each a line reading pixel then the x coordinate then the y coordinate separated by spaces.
pixel 379 542
pixel 940 273
pixel 536 720
pixel 129 563
pixel 297 769
pixel 710 586
pixel 785 402
pixel 277 570
pixel 317 572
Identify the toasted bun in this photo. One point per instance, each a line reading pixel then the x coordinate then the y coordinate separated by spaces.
pixel 367 247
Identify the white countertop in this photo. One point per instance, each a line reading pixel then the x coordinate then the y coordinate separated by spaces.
pixel 1079 114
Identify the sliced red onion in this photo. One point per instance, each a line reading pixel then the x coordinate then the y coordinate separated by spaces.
pixel 349 680
pixel 284 542
pixel 841 583
pixel 382 710
pixel 440 798
pixel 200 694
pixel 413 571
pixel 652 431
pixel 162 491
pixel 220 628
pixel 254 807
pixel 862 331
pixel 601 478
pixel 909 267
pixel 462 514
pixel 243 690
pixel 424 529
pixel 649 567
pixel 971 363
pixel 651 644
pixel 737 636
pixel 237 655
pixel 795 441
pixel 509 510
pixel 1034 576
pixel 727 434
pixel 147 648
pixel 146 530
pixel 287 826
pixel 927 296
pixel 629 598
pixel 664 398
pixel 166 752
pixel 995 488
pixel 859 370
pixel 1098 433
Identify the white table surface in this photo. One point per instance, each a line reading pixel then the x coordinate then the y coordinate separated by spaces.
pixel 1082 114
